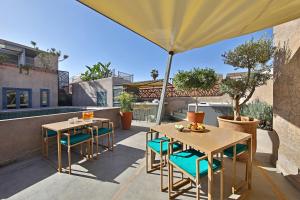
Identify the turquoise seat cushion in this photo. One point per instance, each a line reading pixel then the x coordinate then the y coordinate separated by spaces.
pixel 239 149
pixel 186 160
pixel 155 145
pixel 51 133
pixel 75 138
pixel 102 131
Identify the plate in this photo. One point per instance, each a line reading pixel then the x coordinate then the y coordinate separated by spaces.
pixel 195 130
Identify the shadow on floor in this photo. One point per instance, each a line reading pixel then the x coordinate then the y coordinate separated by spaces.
pixel 19 176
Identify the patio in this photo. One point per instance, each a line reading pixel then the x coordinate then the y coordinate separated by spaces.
pixel 121 175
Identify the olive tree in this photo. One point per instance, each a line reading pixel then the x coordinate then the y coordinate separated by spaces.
pixel 197 78
pixel 256 57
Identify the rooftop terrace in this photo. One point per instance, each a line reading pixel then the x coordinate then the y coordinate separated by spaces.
pixel 121 174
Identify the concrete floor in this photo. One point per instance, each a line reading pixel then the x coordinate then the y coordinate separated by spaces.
pixel 121 175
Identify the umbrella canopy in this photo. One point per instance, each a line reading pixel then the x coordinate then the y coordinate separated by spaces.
pixel 181 25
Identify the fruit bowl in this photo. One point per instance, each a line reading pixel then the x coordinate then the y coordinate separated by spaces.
pixel 196 127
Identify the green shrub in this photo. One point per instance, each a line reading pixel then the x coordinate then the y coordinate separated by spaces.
pixel 261 111
pixel 126 100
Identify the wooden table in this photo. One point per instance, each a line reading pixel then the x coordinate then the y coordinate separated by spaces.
pixel 59 127
pixel 213 141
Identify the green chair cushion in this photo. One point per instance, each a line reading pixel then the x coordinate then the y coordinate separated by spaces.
pixel 75 138
pixel 239 149
pixel 102 131
pixel 155 145
pixel 51 133
pixel 186 160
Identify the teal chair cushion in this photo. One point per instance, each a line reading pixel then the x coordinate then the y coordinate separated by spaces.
pixel 155 145
pixel 51 133
pixel 186 160
pixel 102 131
pixel 239 149
pixel 75 138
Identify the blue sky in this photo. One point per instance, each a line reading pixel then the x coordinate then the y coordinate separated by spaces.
pixel 88 37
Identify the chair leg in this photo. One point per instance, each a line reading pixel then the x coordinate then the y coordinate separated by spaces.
pixel 246 171
pixel 112 140
pixel 170 182
pixel 161 173
pixel 97 146
pixel 89 150
pixel 146 155
pixel 108 141
pixel 92 148
pixel 197 189
pixel 46 148
pixel 222 178
pixel 81 153
pixel 69 158
pixel 234 171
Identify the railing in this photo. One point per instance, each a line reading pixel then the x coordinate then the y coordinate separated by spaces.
pixel 29 61
pixel 123 75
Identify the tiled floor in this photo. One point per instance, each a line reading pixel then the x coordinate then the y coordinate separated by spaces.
pixel 121 175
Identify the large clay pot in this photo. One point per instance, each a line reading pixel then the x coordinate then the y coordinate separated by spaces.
pixel 196 117
pixel 245 125
pixel 126 119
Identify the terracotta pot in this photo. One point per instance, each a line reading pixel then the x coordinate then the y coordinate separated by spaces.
pixel 196 117
pixel 126 119
pixel 245 126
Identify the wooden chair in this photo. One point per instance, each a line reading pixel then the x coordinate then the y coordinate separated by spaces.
pixel 100 132
pixel 73 139
pixel 194 165
pixel 46 135
pixel 158 146
pixel 233 152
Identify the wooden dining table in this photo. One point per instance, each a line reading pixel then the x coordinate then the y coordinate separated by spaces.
pixel 65 126
pixel 212 141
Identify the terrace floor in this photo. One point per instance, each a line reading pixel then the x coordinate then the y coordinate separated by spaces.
pixel 121 175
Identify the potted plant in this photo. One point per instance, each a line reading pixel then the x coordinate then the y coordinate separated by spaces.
pixel 255 57
pixel 203 79
pixel 126 101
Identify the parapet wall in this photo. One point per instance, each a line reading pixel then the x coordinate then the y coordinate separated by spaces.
pixel 21 138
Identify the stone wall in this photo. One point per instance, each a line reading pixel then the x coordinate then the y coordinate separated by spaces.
pixel 21 138
pixel 10 76
pixel 286 97
pixel 264 93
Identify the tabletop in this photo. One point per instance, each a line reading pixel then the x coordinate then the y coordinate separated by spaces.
pixel 65 125
pixel 213 140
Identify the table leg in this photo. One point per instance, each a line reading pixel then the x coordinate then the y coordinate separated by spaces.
pixel 210 176
pixel 43 142
pixel 250 157
pixel 58 151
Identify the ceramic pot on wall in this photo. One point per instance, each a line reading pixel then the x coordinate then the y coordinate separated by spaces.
pixel 196 117
pixel 126 119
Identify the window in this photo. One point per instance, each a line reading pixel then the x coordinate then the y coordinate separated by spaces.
pixel 101 98
pixel 117 90
pixel 15 98
pixel 45 97
pixel 24 98
pixel 11 99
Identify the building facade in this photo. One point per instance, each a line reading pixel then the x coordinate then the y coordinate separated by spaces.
pixel 28 79
pixel 102 92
